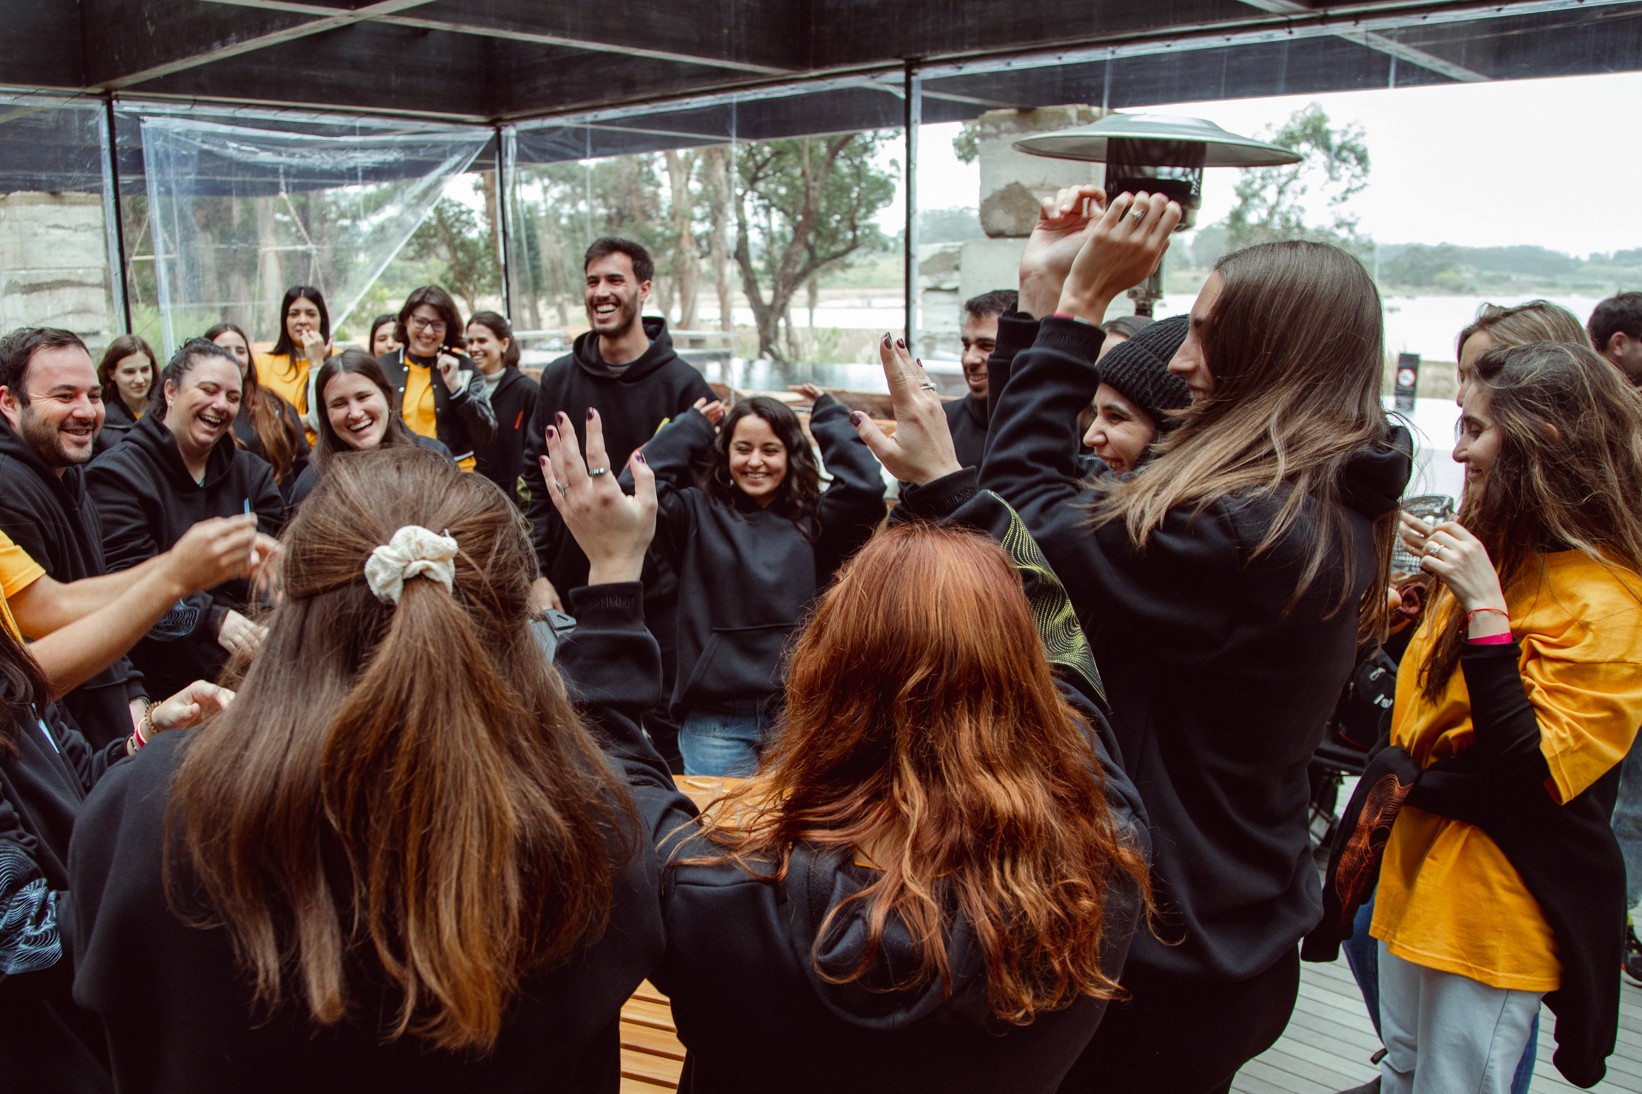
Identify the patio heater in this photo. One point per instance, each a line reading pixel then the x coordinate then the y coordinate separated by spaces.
pixel 1158 153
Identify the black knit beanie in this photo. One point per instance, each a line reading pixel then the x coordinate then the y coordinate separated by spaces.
pixel 1139 369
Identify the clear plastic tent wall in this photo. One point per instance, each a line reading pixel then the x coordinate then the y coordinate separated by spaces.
pixel 57 256
pixel 241 213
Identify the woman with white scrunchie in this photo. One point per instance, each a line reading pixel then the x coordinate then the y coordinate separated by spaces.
pixel 388 867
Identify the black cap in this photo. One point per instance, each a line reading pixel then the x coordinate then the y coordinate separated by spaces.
pixel 1139 369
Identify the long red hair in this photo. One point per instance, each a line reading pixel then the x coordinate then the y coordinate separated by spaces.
pixel 924 729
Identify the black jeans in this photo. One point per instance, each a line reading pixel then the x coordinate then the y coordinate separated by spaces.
pixel 1184 1034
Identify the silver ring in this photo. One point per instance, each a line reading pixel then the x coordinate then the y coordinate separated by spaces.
pixel 927 386
pixel 563 486
pixel 1137 215
pixel 595 472
pixel 1434 550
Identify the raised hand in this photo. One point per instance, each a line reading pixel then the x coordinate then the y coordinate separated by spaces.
pixel 313 346
pixel 1054 243
pixel 712 410
pixel 612 528
pixel 1120 250
pixel 450 371
pixel 921 449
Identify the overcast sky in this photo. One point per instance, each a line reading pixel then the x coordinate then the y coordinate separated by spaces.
pixel 1550 162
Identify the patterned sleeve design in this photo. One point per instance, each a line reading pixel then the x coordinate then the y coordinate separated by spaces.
pixel 28 915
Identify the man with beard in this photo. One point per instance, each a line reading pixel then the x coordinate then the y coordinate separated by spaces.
pixel 52 404
pixel 967 416
pixel 625 368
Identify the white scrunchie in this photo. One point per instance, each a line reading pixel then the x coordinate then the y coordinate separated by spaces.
pixel 413 551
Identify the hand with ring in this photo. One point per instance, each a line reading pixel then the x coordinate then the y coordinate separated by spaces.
pixel 612 528
pixel 1461 561
pixel 921 449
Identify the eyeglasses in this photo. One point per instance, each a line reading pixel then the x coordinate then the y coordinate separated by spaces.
pixel 432 326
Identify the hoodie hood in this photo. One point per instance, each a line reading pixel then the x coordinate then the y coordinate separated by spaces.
pixel 1376 475
pixel 154 438
pixel 69 486
pixel 819 882
pixel 586 353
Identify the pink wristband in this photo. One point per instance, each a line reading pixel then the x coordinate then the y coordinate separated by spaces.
pixel 1492 640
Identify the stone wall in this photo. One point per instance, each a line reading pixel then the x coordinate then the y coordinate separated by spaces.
pixel 1012 184
pixel 54 264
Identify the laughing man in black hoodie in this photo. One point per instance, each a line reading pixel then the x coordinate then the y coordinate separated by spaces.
pixel 52 404
pixel 625 366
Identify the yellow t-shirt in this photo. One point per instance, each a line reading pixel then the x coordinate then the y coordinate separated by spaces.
pixel 277 375
pixel 1448 898
pixel 17 572
pixel 417 406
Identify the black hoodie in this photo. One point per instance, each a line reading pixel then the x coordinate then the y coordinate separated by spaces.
pixel 52 518
pixel 646 394
pixel 752 1008
pixel 514 404
pixel 147 499
pixel 729 647
pixel 1219 696
pixel 46 1042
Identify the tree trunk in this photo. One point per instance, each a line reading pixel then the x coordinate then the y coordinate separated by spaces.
pixel 719 195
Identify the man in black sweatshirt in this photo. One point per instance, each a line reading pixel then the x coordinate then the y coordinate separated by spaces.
pixel 967 417
pixel 52 405
pixel 625 368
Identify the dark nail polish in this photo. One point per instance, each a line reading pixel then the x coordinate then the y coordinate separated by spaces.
pixel 551 432
pixel 886 338
pixel 901 343
pixel 641 457
pixel 590 414
pixel 855 417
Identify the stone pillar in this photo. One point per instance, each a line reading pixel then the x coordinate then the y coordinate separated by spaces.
pixel 54 264
pixel 1012 184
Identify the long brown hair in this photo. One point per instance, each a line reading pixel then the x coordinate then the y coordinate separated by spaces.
pixel 268 420
pixel 400 795
pixel 1519 324
pixel 923 726
pixel 1570 456
pixel 1296 347
pixel 22 684
pixel 355 362
pixel 118 350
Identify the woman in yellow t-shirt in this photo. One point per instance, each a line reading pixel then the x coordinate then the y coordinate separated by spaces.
pixel 1526 676
pixel 303 344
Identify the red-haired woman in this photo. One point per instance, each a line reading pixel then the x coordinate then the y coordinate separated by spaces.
pixel 932 882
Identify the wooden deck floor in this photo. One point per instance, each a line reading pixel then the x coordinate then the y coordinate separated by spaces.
pixel 1329 1041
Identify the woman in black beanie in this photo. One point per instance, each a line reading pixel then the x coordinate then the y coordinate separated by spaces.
pixel 1137 390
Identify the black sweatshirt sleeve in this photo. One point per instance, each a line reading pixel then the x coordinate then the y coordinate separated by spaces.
pixel 1507 731
pixel 471 404
pixel 1016 332
pixel 671 454
pixel 1031 463
pixel 853 503
pixel 613 667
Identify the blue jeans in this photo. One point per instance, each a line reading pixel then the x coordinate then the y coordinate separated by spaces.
pixel 1627 821
pixel 1363 955
pixel 721 744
